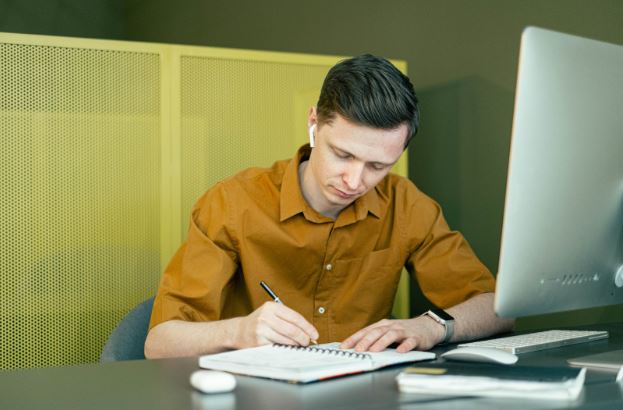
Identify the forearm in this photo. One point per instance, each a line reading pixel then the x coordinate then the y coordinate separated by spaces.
pixel 475 318
pixel 177 338
pixel 270 323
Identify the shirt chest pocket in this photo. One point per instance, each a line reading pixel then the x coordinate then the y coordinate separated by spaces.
pixel 379 270
pixel 365 289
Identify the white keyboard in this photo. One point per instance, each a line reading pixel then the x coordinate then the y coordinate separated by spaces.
pixel 547 339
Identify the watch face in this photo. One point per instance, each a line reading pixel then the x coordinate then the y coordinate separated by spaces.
pixel 442 314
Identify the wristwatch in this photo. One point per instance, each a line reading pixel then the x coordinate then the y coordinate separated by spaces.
pixel 443 318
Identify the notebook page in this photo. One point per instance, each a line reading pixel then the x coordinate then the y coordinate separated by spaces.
pixel 282 357
pixel 287 363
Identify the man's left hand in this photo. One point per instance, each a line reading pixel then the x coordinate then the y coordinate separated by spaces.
pixel 421 333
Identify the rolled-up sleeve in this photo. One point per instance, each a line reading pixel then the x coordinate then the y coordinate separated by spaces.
pixel 441 261
pixel 195 284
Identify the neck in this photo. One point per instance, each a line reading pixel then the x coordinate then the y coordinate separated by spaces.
pixel 311 193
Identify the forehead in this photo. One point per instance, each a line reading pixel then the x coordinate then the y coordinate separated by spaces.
pixel 366 143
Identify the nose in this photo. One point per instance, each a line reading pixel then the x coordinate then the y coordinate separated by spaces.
pixel 352 176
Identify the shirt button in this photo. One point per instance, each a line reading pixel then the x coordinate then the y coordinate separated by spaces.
pixel 321 310
pixel 329 266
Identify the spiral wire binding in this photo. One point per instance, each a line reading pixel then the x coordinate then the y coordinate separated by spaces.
pixel 321 350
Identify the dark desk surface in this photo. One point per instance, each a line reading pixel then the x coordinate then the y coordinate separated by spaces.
pixel 155 384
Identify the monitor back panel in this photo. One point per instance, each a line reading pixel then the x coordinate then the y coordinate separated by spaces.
pixel 562 237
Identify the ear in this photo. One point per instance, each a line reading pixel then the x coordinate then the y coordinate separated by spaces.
pixel 312 117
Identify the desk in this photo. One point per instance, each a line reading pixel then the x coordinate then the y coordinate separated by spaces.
pixel 163 384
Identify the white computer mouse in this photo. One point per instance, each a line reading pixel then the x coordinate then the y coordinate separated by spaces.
pixel 212 381
pixel 480 354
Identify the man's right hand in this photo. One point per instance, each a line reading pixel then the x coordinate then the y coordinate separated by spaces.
pixel 274 323
pixel 270 323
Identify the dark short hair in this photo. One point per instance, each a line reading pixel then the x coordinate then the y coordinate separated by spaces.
pixel 370 91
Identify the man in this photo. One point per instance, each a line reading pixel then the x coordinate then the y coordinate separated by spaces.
pixel 329 231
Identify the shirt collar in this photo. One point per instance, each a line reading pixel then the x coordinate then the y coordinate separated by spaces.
pixel 292 201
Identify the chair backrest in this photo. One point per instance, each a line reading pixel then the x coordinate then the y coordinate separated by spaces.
pixel 127 340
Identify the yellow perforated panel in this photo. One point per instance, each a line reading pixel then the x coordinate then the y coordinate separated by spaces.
pixel 79 201
pixel 250 122
pixel 104 147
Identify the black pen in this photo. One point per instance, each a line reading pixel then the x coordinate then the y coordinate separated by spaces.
pixel 275 298
pixel 270 292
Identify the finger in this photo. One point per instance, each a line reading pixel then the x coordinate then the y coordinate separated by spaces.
pixel 407 345
pixel 390 336
pixel 369 339
pixel 271 330
pixel 270 335
pixel 295 318
pixel 291 331
pixel 352 340
pixel 356 337
pixel 270 317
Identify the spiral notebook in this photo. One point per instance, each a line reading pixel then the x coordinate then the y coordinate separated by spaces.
pixel 305 364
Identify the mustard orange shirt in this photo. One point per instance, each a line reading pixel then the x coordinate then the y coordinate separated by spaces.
pixel 341 274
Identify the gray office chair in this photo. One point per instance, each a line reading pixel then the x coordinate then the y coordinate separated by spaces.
pixel 127 340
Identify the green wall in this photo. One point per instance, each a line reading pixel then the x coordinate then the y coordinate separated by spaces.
pixel 462 58
pixel 72 18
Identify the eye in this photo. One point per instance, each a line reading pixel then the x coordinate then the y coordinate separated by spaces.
pixel 343 155
pixel 378 167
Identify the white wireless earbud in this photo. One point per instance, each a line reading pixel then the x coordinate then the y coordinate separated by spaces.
pixel 312 138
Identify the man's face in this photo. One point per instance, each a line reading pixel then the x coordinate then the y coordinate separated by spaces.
pixel 348 161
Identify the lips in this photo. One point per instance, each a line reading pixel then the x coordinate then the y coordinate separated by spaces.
pixel 343 194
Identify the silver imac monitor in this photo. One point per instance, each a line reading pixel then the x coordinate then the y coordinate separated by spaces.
pixel 562 235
